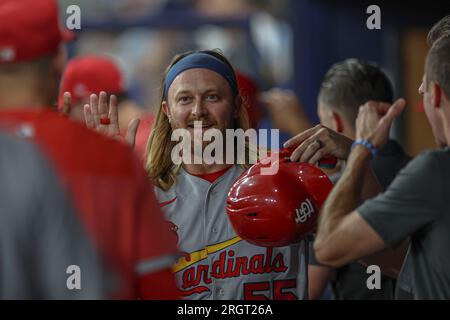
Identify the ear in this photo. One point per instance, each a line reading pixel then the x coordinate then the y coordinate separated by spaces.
pixel 165 108
pixel 421 88
pixel 337 122
pixel 238 106
pixel 436 94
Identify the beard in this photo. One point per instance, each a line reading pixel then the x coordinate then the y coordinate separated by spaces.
pixel 200 137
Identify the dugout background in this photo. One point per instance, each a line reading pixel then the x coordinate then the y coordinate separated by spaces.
pixel 285 43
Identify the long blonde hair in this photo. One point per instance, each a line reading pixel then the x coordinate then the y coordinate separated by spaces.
pixel 158 162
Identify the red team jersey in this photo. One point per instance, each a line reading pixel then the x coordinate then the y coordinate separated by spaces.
pixel 111 192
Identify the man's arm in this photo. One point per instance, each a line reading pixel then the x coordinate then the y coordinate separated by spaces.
pixel 390 260
pixel 318 279
pixel 343 235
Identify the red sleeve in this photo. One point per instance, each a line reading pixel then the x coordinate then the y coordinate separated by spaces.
pixel 158 286
pixel 156 246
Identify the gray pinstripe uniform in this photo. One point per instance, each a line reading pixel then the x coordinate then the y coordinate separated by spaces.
pixel 217 264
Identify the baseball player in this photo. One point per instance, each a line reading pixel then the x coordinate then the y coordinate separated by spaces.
pixel 41 236
pixel 89 74
pixel 217 264
pixel 201 86
pixel 105 181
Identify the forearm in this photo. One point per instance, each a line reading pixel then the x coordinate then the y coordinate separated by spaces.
pixel 343 234
pixel 371 185
pixel 318 278
pixel 389 260
pixel 348 193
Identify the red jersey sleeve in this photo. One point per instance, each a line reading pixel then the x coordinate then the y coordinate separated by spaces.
pixel 156 245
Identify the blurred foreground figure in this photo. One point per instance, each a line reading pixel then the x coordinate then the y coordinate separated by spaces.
pixel 41 236
pixel 105 181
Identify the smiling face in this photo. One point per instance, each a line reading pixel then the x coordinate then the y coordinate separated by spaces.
pixel 200 95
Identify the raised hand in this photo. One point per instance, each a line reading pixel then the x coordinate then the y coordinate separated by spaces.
pixel 104 118
pixel 375 119
pixel 67 104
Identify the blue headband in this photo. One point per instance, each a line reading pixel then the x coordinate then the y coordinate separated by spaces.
pixel 204 61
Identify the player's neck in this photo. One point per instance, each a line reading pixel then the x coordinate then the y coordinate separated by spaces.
pixel 21 97
pixel 199 169
pixel 22 104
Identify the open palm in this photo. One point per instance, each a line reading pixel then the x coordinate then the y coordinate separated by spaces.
pixel 104 118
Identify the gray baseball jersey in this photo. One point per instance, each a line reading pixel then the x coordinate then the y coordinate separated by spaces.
pixel 40 236
pixel 217 264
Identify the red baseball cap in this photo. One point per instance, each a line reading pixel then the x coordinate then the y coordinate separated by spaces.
pixel 90 74
pixel 29 29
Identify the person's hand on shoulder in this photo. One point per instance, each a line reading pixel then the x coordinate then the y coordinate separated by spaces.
pixel 318 143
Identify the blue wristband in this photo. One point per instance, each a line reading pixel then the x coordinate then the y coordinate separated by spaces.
pixel 373 150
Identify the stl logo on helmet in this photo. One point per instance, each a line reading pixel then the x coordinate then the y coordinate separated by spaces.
pixel 304 212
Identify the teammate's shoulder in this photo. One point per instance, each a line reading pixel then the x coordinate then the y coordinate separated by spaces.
pixel 51 123
pixel 429 162
pixel 17 152
pixel 439 153
pixel 433 155
pixel 71 143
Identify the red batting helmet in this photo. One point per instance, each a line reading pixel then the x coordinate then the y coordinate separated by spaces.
pixel 280 209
